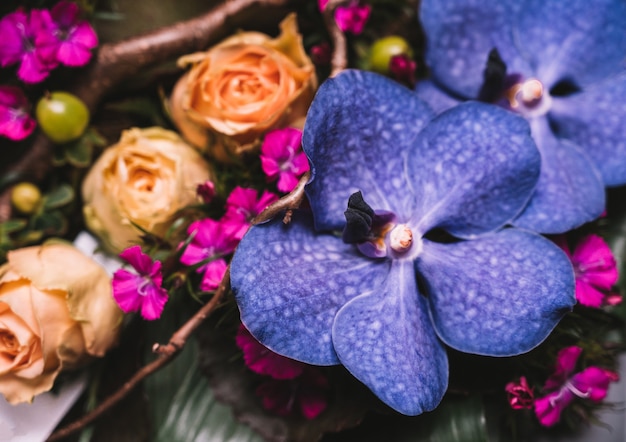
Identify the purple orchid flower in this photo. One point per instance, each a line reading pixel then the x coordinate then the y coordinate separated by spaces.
pixel 140 291
pixel 15 121
pixel 558 64
pixel 423 261
pixel 26 40
pixel 75 38
pixel 592 383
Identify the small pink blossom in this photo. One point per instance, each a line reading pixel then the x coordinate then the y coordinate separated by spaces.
pixel 592 383
pixel 210 243
pixel 321 54
pixel 75 38
pixel 140 291
pixel 595 269
pixel 307 394
pixel 282 157
pixel 26 41
pixel 242 206
pixel 519 394
pixel 262 360
pixel 350 18
pixel 402 68
pixel 206 191
pixel 15 121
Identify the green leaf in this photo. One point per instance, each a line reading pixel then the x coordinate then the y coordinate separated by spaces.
pixel 62 195
pixel 79 152
pixel 13 225
pixel 459 419
pixel 50 223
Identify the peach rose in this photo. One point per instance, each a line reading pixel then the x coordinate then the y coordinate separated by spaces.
pixel 142 181
pixel 244 86
pixel 56 312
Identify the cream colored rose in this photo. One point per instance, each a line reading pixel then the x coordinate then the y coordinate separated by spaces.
pixel 244 86
pixel 56 311
pixel 143 180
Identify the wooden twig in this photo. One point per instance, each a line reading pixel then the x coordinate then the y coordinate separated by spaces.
pixel 288 203
pixel 339 60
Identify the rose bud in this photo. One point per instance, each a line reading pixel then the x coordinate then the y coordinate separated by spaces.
pixel 140 183
pixel 239 89
pixel 56 313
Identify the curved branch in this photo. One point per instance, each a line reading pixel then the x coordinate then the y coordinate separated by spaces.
pixel 339 60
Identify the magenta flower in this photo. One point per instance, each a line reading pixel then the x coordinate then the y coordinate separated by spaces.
pixel 307 394
pixel 295 387
pixel 350 18
pixel 206 191
pixel 592 383
pixel 242 206
pixel 210 243
pixel 75 38
pixel 15 121
pixel 140 291
pixel 262 360
pixel 26 40
pixel 595 269
pixel 282 157
pixel 519 394
pixel 402 68
pixel 321 54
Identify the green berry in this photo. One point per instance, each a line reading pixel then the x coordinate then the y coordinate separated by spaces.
pixel 25 198
pixel 383 49
pixel 62 116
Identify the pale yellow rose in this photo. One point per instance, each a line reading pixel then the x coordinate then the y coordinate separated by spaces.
pixel 241 88
pixel 56 312
pixel 143 180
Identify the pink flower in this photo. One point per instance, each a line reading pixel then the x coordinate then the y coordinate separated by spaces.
pixel 211 242
pixel 350 18
pixel 592 383
pixel 306 394
pixel 206 191
pixel 519 394
pixel 26 40
pixel 15 121
pixel 595 269
pixel 74 37
pixel 282 157
pixel 402 68
pixel 262 360
pixel 242 206
pixel 295 387
pixel 321 54
pixel 142 291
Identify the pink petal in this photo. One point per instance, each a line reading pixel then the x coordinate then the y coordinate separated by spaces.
pixel 312 403
pixel 266 199
pixel 84 35
pixel 352 18
pixel 242 198
pixel 565 365
pixel 300 163
pixel 153 302
pixel 287 182
pixel 234 225
pixel 588 295
pixel 125 293
pixel 322 4
pixel 594 261
pixel 275 145
pixel 548 409
pixel 213 275
pixel 262 360
pixel 15 125
pixel 65 13
pixel 139 260
pixel 270 167
pixel 594 381
pixel 72 54
pixel 12 27
pixel 193 254
pixel 31 69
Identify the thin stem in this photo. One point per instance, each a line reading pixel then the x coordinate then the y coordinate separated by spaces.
pixel 288 203
pixel 339 60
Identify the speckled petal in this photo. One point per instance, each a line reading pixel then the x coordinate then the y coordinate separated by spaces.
pixel 579 40
pixel 594 119
pixel 357 127
pixel 459 36
pixel 290 282
pixel 473 169
pixel 385 339
pixel 570 190
pixel 437 98
pixel 500 295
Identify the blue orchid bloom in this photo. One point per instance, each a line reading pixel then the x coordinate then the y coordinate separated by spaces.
pixel 560 64
pixel 404 250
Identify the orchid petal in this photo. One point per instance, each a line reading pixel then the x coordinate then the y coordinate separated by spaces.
pixel 356 130
pixel 400 360
pixel 498 295
pixel 569 192
pixel 578 40
pixel 437 98
pixel 461 33
pixel 280 276
pixel 474 168
pixel 594 120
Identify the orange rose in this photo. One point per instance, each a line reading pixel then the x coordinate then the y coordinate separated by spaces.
pixel 56 312
pixel 244 86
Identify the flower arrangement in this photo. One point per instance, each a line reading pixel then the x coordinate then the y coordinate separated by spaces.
pixel 346 220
